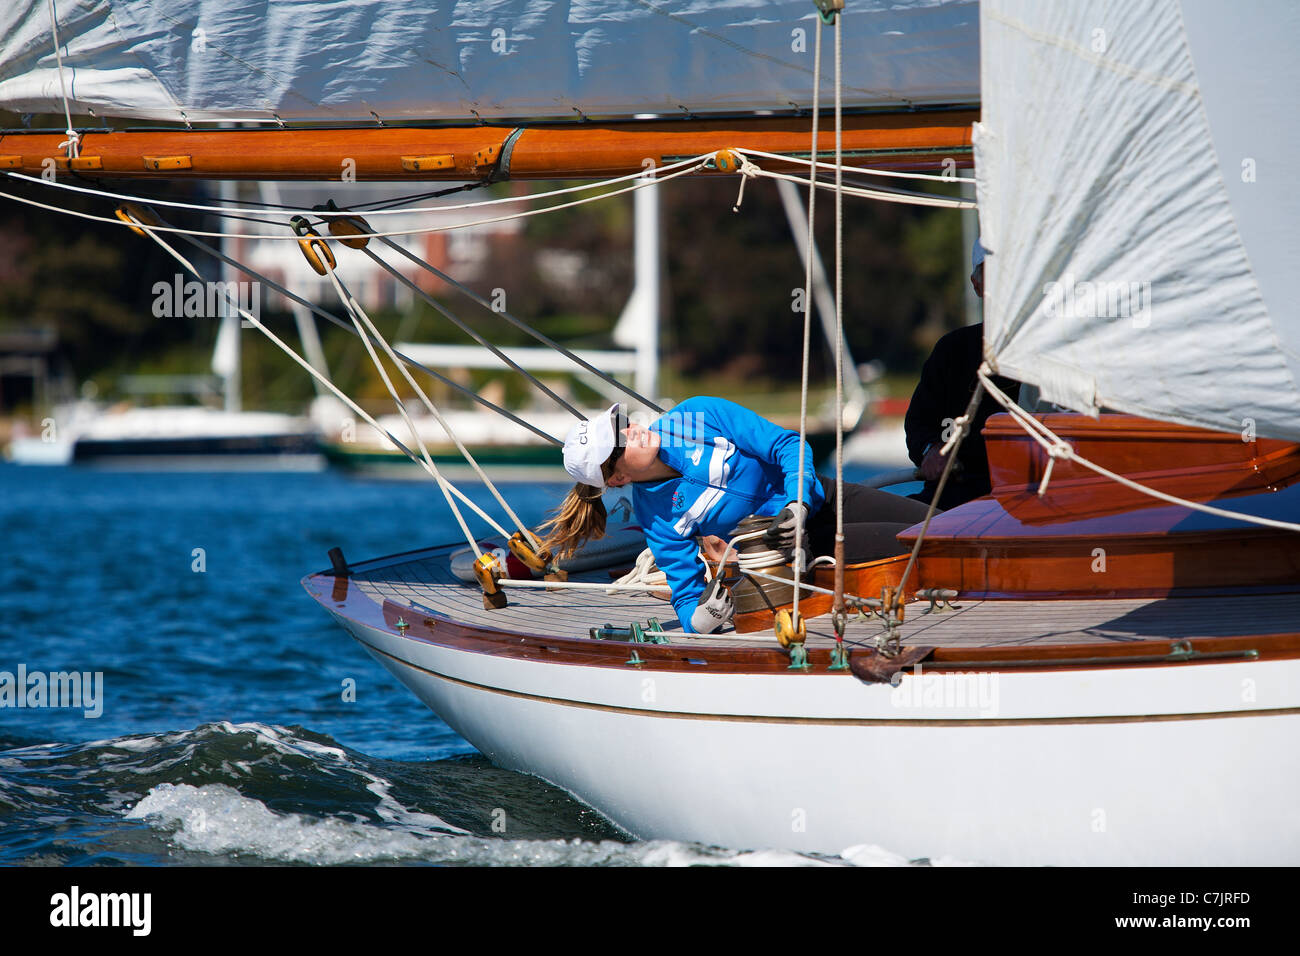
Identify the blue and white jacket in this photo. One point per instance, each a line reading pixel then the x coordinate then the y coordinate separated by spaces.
pixel 733 464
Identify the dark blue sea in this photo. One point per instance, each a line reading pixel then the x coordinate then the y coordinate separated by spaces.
pixel 223 736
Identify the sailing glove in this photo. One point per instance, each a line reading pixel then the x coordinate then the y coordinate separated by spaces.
pixel 780 533
pixel 714 609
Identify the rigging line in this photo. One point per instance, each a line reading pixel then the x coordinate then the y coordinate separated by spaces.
pixel 455 207
pixel 838 605
pixel 523 326
pixel 288 350
pixel 1057 447
pixel 74 138
pixel 799 557
pixel 354 308
pixel 335 320
pixel 960 427
pixel 468 330
pixel 893 195
pixel 446 427
pixel 343 213
pixel 865 170
pixel 386 204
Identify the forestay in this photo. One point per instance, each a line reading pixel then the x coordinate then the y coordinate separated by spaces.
pixel 1134 173
pixel 312 60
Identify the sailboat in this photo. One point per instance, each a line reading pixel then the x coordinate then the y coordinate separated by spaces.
pixel 1099 662
pixel 176 437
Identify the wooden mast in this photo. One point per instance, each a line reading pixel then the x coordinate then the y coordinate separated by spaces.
pixel 579 151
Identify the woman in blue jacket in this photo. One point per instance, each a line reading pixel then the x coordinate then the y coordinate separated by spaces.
pixel 700 469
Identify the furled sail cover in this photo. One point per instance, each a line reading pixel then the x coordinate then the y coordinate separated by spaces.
pixel 339 60
pixel 1135 171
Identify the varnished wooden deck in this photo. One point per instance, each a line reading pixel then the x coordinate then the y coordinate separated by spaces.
pixel 423 582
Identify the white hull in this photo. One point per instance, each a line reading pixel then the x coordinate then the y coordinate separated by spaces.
pixel 1173 765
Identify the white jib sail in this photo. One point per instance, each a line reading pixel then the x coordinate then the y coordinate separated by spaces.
pixel 1135 164
pixel 338 61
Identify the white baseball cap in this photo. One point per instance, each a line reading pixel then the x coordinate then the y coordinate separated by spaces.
pixel 587 446
pixel 976 255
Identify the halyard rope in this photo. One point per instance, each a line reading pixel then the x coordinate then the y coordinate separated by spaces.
pixel 838 606
pixel 798 557
pixel 73 141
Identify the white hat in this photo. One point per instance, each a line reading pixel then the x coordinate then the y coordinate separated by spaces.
pixel 976 255
pixel 586 447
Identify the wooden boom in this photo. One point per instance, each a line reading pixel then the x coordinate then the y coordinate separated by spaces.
pixel 580 151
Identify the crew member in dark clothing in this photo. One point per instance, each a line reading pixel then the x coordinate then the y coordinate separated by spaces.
pixel 948 380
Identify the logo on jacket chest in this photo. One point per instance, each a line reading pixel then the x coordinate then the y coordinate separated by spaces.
pixel 679 501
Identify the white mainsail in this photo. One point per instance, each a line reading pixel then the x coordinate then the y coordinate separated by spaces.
pixel 227 60
pixel 1133 162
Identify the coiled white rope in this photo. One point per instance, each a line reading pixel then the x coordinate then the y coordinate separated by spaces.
pixel 1058 448
pixel 644 572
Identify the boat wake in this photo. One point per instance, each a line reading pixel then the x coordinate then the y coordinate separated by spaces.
pixel 254 793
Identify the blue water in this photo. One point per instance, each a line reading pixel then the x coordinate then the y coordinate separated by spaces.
pixel 224 735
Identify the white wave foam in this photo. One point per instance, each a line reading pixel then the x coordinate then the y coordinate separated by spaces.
pixel 215 818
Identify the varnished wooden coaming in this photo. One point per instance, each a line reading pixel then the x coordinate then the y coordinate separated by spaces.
pixel 573 151
pixel 1087 535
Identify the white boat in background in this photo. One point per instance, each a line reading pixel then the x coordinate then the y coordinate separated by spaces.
pixel 166 438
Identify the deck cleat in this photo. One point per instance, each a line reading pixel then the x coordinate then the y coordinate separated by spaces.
pixel 654 632
pixel 839 657
pixel 940 600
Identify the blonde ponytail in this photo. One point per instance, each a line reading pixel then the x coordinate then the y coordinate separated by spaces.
pixel 580 517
